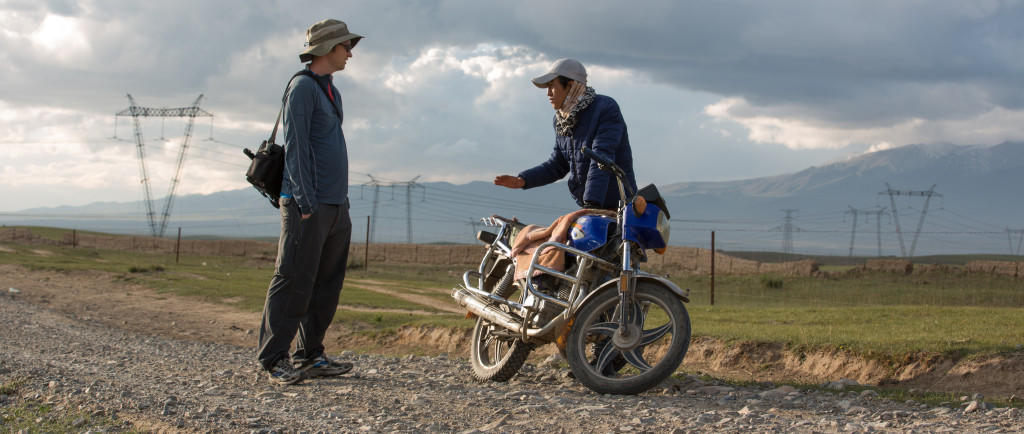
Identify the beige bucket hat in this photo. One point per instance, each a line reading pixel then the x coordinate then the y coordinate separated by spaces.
pixel 323 36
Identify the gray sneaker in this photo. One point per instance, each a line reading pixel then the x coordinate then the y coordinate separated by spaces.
pixel 284 373
pixel 323 366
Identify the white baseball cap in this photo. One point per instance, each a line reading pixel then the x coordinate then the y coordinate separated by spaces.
pixel 569 68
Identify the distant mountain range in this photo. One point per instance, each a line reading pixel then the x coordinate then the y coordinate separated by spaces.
pixel 975 206
pixel 976 197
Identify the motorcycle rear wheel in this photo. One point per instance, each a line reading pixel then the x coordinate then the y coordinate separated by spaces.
pixel 595 350
pixel 495 357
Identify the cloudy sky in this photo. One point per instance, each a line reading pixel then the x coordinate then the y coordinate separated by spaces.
pixel 710 91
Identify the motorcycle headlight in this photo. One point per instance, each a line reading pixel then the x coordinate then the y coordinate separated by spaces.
pixel 664 228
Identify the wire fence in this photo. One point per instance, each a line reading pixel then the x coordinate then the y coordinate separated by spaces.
pixel 258 223
pixel 676 259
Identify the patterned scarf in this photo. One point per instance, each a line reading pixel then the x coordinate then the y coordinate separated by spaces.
pixel 578 98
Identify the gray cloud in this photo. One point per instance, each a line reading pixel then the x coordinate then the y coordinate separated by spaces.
pixel 860 69
pixel 805 53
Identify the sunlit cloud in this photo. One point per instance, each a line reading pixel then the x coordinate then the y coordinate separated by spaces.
pixel 60 40
pixel 806 132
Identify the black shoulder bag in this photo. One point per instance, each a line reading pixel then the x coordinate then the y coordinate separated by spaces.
pixel 266 168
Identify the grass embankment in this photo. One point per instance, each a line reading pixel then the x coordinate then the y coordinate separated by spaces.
pixel 864 312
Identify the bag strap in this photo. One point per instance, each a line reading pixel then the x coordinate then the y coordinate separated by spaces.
pixel 306 72
pixel 273 134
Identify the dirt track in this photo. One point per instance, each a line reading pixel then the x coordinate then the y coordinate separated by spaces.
pixel 81 341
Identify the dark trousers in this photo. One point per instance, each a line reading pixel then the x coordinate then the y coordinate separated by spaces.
pixel 303 295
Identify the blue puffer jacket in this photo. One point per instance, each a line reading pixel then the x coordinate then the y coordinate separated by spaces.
pixel 600 127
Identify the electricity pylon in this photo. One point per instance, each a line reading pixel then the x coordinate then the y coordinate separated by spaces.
pixel 787 231
pixel 136 112
pixel 409 186
pixel 376 198
pixel 878 221
pixel 920 222
pixel 1020 239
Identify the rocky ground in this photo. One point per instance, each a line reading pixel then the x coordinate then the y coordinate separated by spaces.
pixel 89 362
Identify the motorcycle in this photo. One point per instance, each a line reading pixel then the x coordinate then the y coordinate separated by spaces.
pixel 621 330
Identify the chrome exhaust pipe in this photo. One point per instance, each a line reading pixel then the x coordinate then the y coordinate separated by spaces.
pixel 486 310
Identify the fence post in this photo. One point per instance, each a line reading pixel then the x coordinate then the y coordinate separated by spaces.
pixel 177 247
pixel 712 268
pixel 366 251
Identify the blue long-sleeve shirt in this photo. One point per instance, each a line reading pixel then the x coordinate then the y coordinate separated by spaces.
pixel 316 155
pixel 600 127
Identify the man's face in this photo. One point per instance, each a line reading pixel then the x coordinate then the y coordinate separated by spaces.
pixel 556 93
pixel 339 55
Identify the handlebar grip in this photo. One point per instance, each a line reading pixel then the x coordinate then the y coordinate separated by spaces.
pixel 601 159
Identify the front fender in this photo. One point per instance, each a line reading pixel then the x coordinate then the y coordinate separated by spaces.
pixel 683 294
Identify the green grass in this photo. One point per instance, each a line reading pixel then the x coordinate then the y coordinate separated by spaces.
pixel 868 330
pixel 871 289
pixel 356 293
pixel 849 261
pixel 237 281
pixel 869 313
pixel 51 233
pixel 865 313
pixel 417 276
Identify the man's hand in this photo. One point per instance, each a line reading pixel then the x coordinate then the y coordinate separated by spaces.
pixel 510 181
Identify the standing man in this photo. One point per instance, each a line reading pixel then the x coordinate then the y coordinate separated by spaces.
pixel 582 119
pixel 312 251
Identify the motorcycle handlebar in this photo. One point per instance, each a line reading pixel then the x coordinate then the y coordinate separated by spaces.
pixel 600 159
pixel 606 164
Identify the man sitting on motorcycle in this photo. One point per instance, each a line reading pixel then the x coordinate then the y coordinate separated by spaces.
pixel 582 119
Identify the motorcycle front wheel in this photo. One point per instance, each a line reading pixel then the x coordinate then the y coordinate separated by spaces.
pixel 495 355
pixel 653 345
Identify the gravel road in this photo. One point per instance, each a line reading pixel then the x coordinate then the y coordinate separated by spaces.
pixel 161 384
